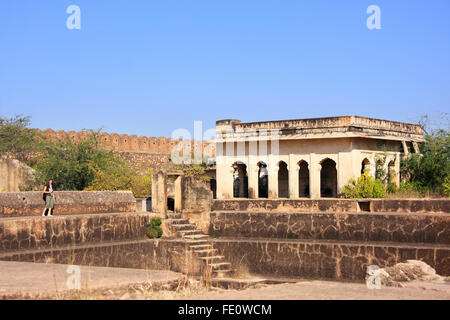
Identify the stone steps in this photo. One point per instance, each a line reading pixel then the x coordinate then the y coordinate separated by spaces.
pixel 201 246
pixel 194 232
pixel 178 221
pixel 196 237
pixel 206 252
pixel 199 243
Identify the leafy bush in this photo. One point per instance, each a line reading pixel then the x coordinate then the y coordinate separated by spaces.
pixel 19 141
pixel 430 169
pixel 446 186
pixel 119 175
pixel 365 187
pixel 154 229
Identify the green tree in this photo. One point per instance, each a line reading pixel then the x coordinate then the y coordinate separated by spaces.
pixel 430 169
pixel 18 140
pixel 73 164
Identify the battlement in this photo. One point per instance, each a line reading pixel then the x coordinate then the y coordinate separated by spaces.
pixel 132 143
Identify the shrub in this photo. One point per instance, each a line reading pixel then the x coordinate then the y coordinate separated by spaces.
pixel 154 229
pixel 429 170
pixel 446 186
pixel 364 187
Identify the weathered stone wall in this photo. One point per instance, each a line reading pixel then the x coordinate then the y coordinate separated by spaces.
pixel 324 260
pixel 193 199
pixel 67 202
pixel 144 161
pixel 41 232
pixel 330 239
pixel 138 254
pixel 388 227
pixel 159 192
pixel 192 195
pixel 279 205
pixel 13 174
pixel 334 205
pixel 410 205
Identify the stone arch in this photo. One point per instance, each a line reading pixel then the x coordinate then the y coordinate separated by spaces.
pixel 240 180
pixel 283 180
pixel 263 180
pixel 328 178
pixel 365 166
pixel 303 179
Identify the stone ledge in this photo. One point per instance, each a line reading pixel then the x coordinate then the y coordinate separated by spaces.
pixel 334 205
pixel 67 202
pixel 286 205
pixel 410 205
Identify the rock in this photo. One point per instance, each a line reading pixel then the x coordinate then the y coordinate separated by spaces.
pixel 413 270
pixel 425 267
pixel 109 293
pixel 126 296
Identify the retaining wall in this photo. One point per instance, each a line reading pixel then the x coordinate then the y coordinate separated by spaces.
pixel 67 202
pixel 325 260
pixel 45 232
pixel 387 227
pixel 334 205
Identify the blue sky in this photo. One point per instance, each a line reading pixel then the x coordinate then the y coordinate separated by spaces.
pixel 149 67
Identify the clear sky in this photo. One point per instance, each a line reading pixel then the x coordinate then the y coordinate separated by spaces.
pixel 150 67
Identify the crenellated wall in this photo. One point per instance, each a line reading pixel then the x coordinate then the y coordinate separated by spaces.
pixel 144 153
pixel 130 143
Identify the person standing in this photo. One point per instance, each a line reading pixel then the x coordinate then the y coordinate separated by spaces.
pixel 49 198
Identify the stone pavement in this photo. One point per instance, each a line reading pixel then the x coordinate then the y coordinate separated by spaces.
pixel 330 290
pixel 18 278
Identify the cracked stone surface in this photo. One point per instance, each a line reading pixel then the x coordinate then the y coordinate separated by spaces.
pixel 38 278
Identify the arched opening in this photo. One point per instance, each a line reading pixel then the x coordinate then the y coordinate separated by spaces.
pixel 263 180
pixel 391 172
pixel 380 173
pixel 240 184
pixel 213 186
pixel 171 204
pixel 328 179
pixel 283 180
pixel 365 166
pixel 303 180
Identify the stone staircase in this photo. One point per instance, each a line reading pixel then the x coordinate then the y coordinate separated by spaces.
pixel 200 245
